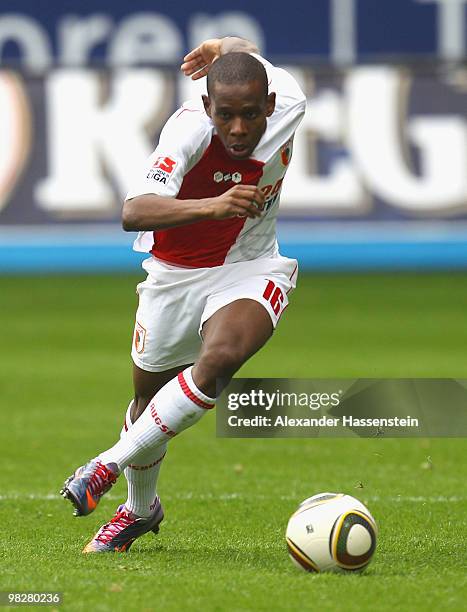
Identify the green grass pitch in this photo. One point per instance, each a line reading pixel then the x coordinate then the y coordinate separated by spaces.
pixel 65 383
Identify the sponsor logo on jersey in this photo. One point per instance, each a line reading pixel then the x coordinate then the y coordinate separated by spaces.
pixel 220 177
pixel 286 153
pixel 271 193
pixel 162 169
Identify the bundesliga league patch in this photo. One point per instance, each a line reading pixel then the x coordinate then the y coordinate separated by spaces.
pixel 162 169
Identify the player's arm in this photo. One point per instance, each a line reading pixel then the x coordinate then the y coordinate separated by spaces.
pixel 150 212
pixel 196 64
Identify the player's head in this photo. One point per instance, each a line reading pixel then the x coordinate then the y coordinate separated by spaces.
pixel 238 102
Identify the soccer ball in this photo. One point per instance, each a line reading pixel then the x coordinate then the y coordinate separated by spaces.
pixel 331 532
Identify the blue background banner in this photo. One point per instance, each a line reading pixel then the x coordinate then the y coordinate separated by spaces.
pixel 293 29
pixel 378 176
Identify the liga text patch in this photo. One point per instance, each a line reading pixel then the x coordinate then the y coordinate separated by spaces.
pixel 162 169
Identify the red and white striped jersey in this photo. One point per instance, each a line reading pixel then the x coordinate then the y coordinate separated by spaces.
pixel 190 162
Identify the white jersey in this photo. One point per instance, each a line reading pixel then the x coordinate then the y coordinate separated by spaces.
pixel 190 162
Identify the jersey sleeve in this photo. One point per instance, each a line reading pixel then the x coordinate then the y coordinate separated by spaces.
pixel 182 141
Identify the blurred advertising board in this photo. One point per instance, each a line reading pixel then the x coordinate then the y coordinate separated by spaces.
pixel 379 159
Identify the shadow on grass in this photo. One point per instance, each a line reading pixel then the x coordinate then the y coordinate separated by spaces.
pixel 274 560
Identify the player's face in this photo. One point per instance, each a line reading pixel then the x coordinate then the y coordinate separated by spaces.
pixel 239 112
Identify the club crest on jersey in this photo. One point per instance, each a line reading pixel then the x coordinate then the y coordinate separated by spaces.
pixel 162 169
pixel 139 338
pixel 220 177
pixel 286 153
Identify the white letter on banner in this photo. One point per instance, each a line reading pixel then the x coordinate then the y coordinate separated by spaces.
pixel 377 142
pixel 15 133
pixel 304 190
pixel 84 135
pixel 31 39
pixel 145 37
pixel 78 35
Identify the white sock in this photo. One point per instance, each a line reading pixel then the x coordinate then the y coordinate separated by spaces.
pixel 142 477
pixel 177 406
pixel 142 483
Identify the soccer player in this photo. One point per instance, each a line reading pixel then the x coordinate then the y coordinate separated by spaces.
pixel 205 207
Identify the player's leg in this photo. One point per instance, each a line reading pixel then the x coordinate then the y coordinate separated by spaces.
pixel 181 402
pixel 165 338
pixel 84 488
pixel 142 512
pixel 142 475
pixel 146 384
pixel 238 319
pixel 230 337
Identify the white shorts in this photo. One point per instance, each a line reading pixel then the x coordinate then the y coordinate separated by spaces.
pixel 174 303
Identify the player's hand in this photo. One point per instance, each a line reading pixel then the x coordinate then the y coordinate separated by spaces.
pixel 197 63
pixel 238 201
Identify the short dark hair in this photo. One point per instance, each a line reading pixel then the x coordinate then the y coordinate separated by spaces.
pixel 237 67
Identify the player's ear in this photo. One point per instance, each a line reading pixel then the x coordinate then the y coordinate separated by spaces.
pixel 207 105
pixel 270 104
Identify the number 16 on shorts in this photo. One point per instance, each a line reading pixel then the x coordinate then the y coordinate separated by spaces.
pixel 276 298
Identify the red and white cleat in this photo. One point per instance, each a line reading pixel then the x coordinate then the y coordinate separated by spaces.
pixel 87 485
pixel 123 529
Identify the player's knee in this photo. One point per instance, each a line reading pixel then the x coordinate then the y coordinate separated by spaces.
pixel 221 361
